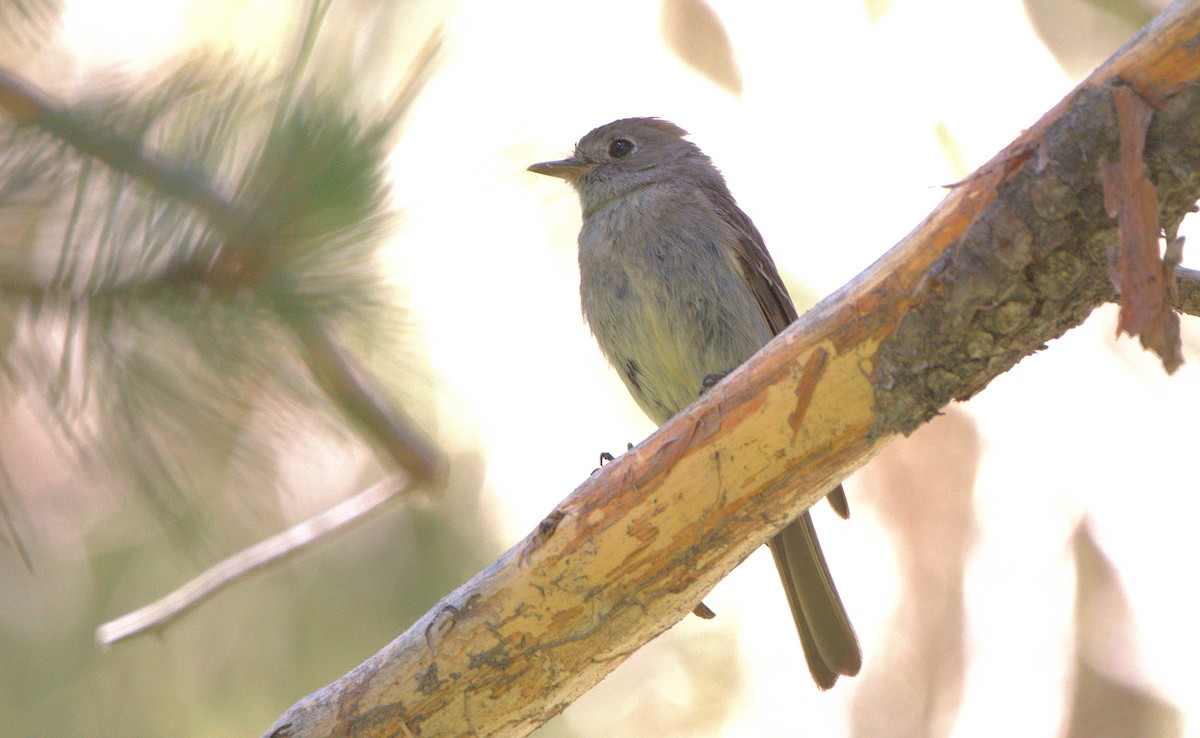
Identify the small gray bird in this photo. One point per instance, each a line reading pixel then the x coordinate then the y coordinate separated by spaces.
pixel 679 289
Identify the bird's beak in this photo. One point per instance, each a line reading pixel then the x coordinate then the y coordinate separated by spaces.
pixel 567 169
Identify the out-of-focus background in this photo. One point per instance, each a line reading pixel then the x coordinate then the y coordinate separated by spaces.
pixel 1024 565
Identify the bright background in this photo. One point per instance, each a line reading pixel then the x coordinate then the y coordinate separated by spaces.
pixel 961 563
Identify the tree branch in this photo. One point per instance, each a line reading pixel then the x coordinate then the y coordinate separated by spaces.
pixel 156 615
pixel 1012 258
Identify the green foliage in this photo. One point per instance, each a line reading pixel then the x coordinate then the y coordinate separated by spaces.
pixel 160 237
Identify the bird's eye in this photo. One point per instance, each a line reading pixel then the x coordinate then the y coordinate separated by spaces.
pixel 620 148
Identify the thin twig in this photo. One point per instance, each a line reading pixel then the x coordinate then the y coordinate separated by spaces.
pixel 340 375
pixel 1186 300
pixel 416 76
pixel 271 551
pixel 10 524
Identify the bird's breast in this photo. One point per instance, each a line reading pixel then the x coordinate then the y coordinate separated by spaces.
pixel 663 302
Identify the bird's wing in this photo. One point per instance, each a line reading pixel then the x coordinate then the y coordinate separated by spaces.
pixel 757 267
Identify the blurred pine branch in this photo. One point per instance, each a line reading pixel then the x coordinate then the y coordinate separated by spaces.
pixel 181 251
pixel 25 24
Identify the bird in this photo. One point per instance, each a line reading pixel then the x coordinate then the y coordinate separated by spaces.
pixel 678 288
